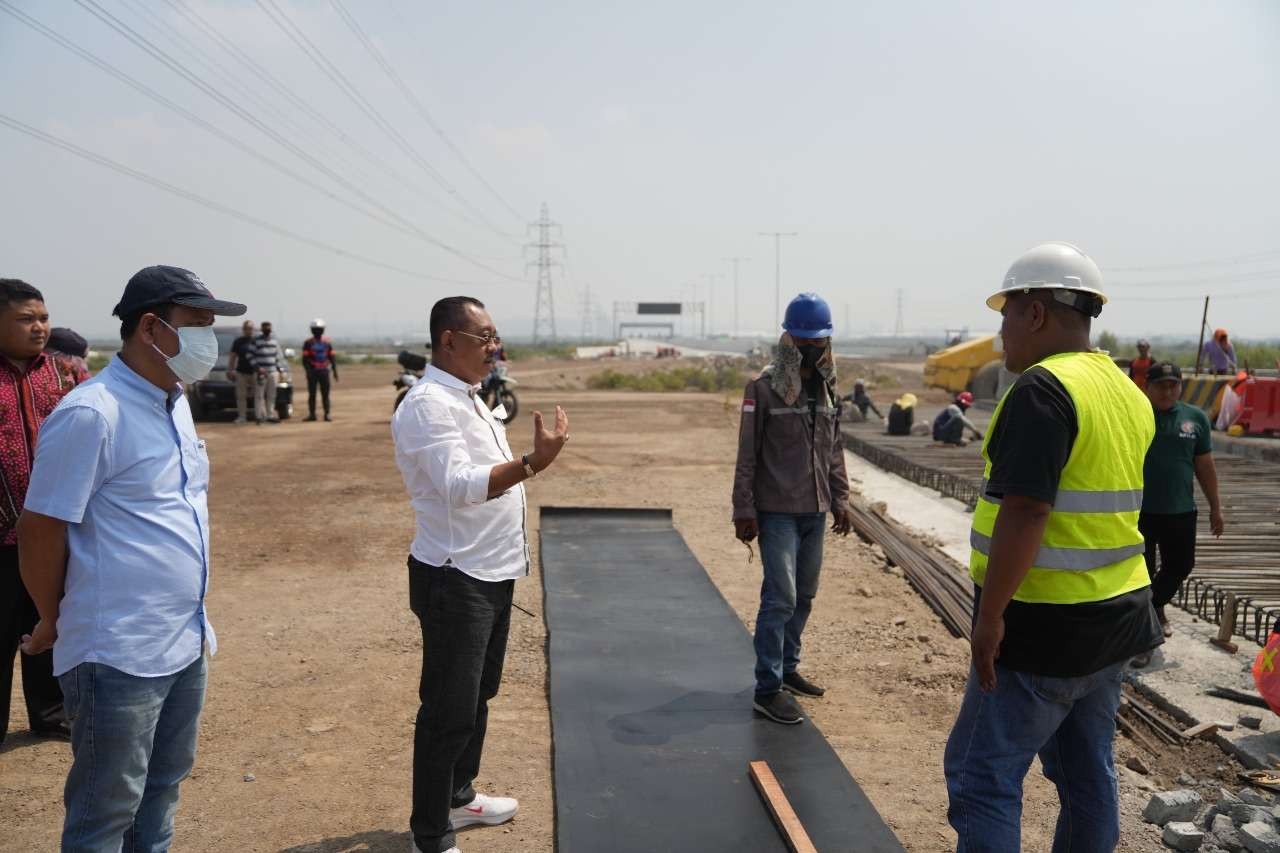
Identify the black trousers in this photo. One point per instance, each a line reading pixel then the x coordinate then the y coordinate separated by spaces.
pixel 17 617
pixel 317 379
pixel 464 643
pixel 1174 536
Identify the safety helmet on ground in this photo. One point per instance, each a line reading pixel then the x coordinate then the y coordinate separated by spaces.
pixel 317 323
pixel 964 398
pixel 1062 268
pixel 808 316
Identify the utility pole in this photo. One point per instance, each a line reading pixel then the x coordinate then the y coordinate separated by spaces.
pixel 1204 321
pixel 544 312
pixel 735 261
pixel 711 299
pixel 897 320
pixel 777 272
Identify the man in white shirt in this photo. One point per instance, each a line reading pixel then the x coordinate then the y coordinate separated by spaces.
pixel 470 546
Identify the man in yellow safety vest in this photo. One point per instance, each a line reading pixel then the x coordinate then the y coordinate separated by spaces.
pixel 1062 598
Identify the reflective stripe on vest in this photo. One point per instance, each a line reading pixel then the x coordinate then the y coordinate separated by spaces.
pixel 1091 549
pixel 1074 500
pixel 1066 559
pixel 801 410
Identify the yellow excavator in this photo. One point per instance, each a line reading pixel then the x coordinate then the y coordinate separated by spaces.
pixel 972 365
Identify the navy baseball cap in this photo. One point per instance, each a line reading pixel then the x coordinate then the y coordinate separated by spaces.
pixel 1164 371
pixel 161 285
pixel 65 340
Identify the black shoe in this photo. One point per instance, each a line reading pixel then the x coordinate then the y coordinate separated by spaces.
pixel 780 708
pixel 328 417
pixel 312 417
pixel 801 686
pixel 58 731
pixel 1140 661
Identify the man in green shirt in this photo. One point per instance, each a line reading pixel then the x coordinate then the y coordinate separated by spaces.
pixel 1182 450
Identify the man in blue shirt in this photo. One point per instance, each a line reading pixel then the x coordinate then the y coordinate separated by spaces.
pixel 114 545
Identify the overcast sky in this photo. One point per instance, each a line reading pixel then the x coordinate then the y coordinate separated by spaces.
pixel 914 146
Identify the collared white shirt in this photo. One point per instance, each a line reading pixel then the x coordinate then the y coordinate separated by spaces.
pixel 447 442
pixel 119 461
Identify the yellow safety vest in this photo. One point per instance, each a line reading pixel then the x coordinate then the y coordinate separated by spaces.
pixel 1092 549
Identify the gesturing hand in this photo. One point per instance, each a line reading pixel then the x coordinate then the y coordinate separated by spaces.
pixel 1216 522
pixel 548 443
pixel 40 639
pixel 746 529
pixel 985 648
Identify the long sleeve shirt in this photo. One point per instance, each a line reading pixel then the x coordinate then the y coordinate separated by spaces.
pixel 447 443
pixel 790 458
pixel 1223 360
pixel 27 396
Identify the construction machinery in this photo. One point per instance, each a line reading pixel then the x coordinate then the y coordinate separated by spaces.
pixel 973 365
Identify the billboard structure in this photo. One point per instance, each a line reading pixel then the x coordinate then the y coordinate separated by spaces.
pixel 670 312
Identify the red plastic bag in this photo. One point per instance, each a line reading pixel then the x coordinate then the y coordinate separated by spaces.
pixel 1266 670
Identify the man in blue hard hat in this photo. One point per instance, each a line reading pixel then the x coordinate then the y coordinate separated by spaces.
pixel 790 474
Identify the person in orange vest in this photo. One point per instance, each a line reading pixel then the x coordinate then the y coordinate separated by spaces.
pixel 1139 366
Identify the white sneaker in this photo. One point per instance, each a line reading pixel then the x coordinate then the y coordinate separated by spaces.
pixel 487 810
pixel 413 847
pixel 240 420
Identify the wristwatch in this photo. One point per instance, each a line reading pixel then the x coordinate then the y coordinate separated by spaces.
pixel 528 469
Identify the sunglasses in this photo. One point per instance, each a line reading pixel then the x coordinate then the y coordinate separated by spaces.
pixel 485 340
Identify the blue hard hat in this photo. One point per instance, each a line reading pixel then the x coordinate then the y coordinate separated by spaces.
pixel 808 316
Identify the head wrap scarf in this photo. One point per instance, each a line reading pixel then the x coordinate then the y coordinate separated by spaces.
pixel 784 371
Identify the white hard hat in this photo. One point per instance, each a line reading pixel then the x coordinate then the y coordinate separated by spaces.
pixel 1056 266
pixel 317 323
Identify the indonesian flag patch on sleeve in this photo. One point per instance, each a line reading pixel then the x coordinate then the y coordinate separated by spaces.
pixel 748 406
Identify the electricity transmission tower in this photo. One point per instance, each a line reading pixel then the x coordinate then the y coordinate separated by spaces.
pixel 588 314
pixel 544 311
pixel 897 320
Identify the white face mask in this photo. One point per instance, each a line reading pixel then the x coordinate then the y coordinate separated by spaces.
pixel 197 352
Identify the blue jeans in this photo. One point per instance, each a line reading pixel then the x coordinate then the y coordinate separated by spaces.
pixel 132 741
pixel 1070 724
pixel 791 553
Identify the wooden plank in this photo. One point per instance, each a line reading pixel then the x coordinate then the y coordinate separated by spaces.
pixel 1203 729
pixel 1227 625
pixel 784 816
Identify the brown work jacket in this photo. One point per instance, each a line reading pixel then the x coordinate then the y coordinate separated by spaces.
pixel 786 462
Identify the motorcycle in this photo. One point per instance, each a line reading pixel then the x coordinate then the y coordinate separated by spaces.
pixel 412 366
pixel 496 390
pixel 498 393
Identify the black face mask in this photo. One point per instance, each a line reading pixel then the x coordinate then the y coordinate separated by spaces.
pixel 809 356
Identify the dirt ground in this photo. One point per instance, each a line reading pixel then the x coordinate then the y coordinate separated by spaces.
pixel 306 737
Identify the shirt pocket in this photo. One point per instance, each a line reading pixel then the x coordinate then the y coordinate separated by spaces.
pixel 195 459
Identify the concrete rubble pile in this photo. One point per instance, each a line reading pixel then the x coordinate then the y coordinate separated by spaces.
pixel 1248 821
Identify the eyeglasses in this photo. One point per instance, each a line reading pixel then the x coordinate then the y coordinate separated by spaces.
pixel 485 340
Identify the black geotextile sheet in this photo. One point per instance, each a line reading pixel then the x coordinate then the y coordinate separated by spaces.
pixel 651 687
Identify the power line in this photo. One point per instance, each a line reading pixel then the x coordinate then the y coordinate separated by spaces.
pixel 417 104
pixel 234 141
pixel 226 210
pixel 1230 261
pixel 155 52
pixel 286 25
pixel 265 76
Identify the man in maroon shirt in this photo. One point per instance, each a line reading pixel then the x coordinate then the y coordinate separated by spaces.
pixel 31 384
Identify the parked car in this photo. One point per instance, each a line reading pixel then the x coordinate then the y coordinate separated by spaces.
pixel 217 394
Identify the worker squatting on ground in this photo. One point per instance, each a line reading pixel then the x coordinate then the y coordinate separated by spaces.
pixel 1062 599
pixel 1181 453
pixel 951 422
pixel 318 360
pixel 114 544
pixel 790 473
pixel 1139 366
pixel 861 399
pixel 467 492
pixel 902 415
